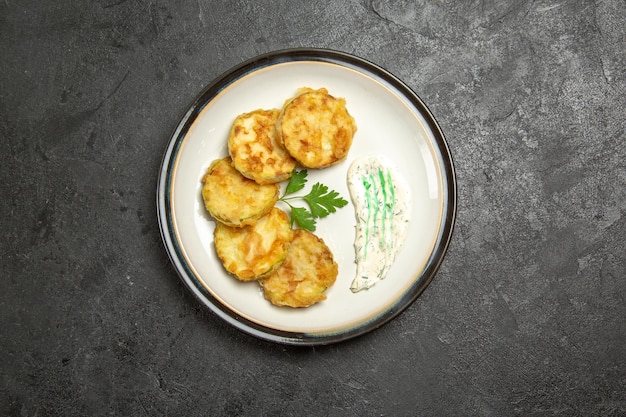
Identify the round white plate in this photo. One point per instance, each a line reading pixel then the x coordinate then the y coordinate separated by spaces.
pixel 392 122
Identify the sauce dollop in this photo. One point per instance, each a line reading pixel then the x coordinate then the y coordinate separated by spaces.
pixel 382 208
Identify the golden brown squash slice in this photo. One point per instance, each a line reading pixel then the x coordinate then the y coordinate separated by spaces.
pixel 254 150
pixel 316 128
pixel 253 251
pixel 233 199
pixel 305 274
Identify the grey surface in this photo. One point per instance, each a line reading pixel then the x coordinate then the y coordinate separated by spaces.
pixel 525 317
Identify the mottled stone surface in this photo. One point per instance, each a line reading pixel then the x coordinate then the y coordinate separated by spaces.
pixel 526 316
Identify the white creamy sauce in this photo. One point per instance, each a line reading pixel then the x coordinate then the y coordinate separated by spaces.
pixel 382 208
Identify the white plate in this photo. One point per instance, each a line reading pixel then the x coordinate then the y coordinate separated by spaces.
pixel 392 122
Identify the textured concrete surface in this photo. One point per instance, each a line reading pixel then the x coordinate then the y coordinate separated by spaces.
pixel 526 316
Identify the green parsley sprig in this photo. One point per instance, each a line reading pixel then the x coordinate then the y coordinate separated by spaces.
pixel 321 202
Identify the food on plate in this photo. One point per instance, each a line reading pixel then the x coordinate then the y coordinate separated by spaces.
pixel 316 128
pixel 321 202
pixel 233 199
pixel 254 240
pixel 303 277
pixel 382 207
pixel 254 150
pixel 256 250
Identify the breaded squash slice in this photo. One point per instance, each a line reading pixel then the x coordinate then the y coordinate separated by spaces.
pixel 254 150
pixel 305 274
pixel 233 199
pixel 253 251
pixel 316 128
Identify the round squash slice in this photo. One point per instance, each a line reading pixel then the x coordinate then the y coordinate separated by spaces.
pixel 254 251
pixel 305 274
pixel 316 128
pixel 233 199
pixel 254 150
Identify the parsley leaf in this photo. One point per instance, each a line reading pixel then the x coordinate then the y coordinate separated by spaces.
pixel 303 218
pixel 296 182
pixel 321 202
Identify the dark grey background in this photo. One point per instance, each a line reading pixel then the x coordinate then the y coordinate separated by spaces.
pixel 525 317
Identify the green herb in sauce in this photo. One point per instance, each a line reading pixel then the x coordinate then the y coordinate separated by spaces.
pixel 381 208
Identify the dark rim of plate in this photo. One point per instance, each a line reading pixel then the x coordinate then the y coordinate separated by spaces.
pixel 209 93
